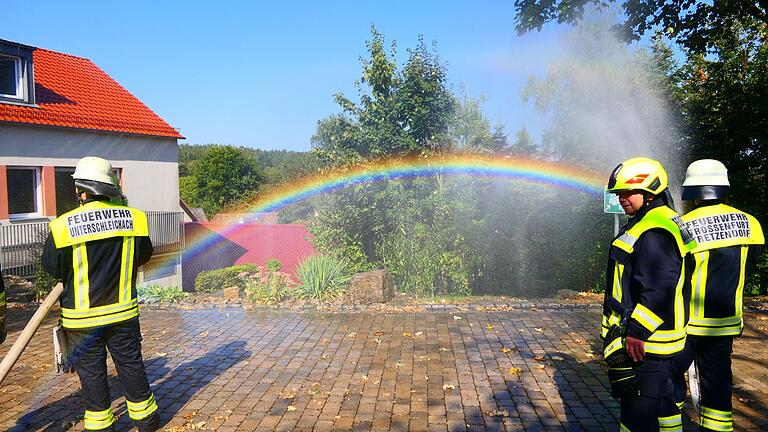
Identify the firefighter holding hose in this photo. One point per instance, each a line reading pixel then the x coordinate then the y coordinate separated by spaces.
pixel 96 250
pixel 646 299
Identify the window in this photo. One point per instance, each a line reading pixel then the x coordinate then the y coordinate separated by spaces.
pixel 24 192
pixel 11 78
pixel 66 198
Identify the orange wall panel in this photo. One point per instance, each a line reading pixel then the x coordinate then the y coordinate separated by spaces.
pixel 3 192
pixel 49 191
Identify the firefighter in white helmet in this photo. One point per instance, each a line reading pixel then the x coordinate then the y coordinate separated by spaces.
pixel 96 250
pixel 728 242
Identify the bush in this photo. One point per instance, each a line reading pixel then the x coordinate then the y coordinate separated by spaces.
pixel 44 282
pixel 273 265
pixel 153 293
pixel 322 278
pixel 757 280
pixel 426 261
pixel 266 285
pixel 215 280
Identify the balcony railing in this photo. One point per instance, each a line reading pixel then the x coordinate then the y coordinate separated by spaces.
pixel 21 244
pixel 166 229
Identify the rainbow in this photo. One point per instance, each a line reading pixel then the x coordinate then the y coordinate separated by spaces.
pixel 554 174
pixel 533 171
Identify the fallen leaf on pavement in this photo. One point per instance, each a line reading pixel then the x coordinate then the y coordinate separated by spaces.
pixel 456 317
pixel 539 329
pixel 379 333
pixel 514 370
pixel 407 334
pixel 498 413
pixel 489 326
pixel 448 386
pixel 161 354
pixel 506 350
pixel 291 408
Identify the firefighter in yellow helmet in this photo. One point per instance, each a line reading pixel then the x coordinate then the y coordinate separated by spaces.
pixel 644 312
pixel 728 242
pixel 96 250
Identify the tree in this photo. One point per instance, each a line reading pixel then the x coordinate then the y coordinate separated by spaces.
pixel 523 145
pixel 222 176
pixel 693 24
pixel 469 129
pixel 400 111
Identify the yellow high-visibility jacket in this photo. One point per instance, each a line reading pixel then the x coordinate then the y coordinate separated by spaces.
pixel 96 250
pixel 646 285
pixel 726 239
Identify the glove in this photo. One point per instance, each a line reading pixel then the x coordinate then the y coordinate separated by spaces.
pixel 620 372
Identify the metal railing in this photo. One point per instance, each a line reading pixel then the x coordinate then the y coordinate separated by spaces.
pixel 21 244
pixel 166 229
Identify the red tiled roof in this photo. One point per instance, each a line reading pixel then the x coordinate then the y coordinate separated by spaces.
pixel 225 245
pixel 73 92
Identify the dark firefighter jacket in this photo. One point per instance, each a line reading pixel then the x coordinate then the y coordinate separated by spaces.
pixel 96 250
pixel 646 283
pixel 728 242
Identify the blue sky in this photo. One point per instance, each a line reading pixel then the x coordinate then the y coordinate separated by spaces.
pixel 262 75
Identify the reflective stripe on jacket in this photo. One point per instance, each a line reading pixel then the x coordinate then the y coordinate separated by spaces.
pixel 723 236
pixel 646 281
pixel 96 250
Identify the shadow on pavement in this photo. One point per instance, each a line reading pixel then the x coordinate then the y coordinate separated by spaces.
pixel 182 382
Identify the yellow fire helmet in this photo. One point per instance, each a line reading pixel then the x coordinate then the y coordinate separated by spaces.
pixel 638 173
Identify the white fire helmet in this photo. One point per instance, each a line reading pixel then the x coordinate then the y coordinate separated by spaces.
pixel 95 169
pixel 706 179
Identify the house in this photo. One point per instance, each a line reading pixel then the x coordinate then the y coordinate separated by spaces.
pixel 56 108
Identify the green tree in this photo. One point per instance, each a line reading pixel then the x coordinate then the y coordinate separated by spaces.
pixel 523 145
pixel 222 176
pixel 399 112
pixel 693 24
pixel 469 129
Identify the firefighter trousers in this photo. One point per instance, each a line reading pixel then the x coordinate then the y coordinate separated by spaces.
pixel 654 410
pixel 88 354
pixel 713 359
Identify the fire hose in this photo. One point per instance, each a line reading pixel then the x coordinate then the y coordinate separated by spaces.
pixel 29 330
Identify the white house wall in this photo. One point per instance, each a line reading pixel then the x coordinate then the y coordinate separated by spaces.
pixel 150 173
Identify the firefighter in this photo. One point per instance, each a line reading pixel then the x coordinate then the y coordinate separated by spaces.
pixel 95 250
pixel 728 242
pixel 644 312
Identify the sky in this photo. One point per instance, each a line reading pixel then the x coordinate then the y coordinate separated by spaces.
pixel 262 74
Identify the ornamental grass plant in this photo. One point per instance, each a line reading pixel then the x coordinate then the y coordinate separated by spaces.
pixel 322 277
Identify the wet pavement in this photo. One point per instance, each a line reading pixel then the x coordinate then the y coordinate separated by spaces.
pixel 230 369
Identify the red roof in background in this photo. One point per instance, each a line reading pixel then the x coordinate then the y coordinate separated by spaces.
pixel 73 92
pixel 262 242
